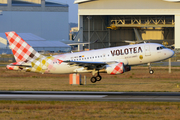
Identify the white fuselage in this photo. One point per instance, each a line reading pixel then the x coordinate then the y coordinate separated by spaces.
pixel 129 55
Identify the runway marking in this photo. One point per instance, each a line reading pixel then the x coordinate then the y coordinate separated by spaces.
pixel 52 96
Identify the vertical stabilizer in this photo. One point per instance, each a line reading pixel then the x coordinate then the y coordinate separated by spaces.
pixel 138 37
pixel 22 51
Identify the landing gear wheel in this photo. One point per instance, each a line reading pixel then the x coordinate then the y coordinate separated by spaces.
pixel 151 72
pixel 98 78
pixel 93 79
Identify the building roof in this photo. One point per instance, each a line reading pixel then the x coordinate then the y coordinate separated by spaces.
pixel 55 3
pixel 83 1
pixel 37 3
pixel 172 0
pixel 25 36
pixel 36 41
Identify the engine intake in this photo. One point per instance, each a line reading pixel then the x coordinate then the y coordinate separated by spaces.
pixel 115 69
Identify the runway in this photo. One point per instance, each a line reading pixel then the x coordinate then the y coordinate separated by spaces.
pixel 90 96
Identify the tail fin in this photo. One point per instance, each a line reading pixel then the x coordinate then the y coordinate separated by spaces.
pixel 22 51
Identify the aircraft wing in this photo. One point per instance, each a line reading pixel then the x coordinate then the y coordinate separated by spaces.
pixel 134 42
pixel 88 65
pixel 77 43
pixel 81 43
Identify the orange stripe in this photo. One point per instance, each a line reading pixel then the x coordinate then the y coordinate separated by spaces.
pixel 70 79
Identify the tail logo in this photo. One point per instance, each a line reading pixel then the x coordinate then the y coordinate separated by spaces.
pixel 21 50
pixel 60 61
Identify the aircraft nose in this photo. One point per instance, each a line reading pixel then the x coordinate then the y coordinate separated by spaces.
pixel 171 53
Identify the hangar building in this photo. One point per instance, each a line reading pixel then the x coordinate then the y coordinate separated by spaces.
pixel 114 21
pixel 39 44
pixel 45 18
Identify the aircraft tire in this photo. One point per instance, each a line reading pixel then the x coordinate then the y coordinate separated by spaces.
pixel 151 72
pixel 93 79
pixel 98 78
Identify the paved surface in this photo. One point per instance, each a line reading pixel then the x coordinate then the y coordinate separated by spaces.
pixel 90 96
pixel 176 64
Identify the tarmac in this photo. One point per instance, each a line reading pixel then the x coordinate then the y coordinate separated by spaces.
pixel 90 96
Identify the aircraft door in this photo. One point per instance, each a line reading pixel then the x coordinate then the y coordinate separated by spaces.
pixel 147 50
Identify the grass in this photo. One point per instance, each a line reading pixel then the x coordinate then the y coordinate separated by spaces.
pixel 138 79
pixel 55 110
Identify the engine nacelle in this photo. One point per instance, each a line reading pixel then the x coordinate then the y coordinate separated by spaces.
pixel 12 67
pixel 114 69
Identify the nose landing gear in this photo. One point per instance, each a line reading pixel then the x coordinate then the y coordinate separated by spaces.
pixel 150 70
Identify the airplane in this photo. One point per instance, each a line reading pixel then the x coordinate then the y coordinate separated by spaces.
pixel 113 61
pixel 76 41
pixel 138 37
pixel 140 40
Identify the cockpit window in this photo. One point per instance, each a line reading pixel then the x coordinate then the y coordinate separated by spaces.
pixel 160 47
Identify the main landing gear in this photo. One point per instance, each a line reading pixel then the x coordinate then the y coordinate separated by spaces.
pixel 150 70
pixel 96 78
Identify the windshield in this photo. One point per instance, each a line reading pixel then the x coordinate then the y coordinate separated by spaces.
pixel 161 47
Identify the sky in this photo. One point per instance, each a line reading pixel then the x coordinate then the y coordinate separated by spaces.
pixel 73 10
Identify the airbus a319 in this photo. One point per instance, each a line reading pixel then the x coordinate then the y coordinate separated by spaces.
pixel 113 61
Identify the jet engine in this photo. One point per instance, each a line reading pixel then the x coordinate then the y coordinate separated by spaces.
pixel 114 69
pixel 12 67
pixel 15 66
